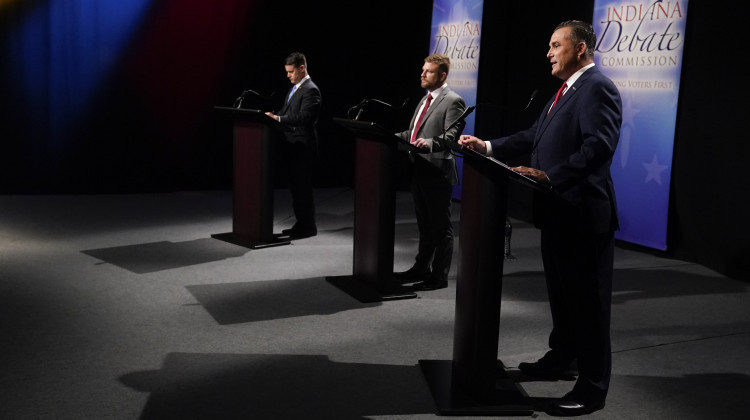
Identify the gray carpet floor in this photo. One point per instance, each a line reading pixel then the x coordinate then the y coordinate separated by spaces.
pixel 125 307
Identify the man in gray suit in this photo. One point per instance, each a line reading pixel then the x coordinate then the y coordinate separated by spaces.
pixel 433 175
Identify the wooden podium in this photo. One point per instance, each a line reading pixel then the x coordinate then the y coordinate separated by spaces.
pixel 374 214
pixel 252 207
pixel 475 381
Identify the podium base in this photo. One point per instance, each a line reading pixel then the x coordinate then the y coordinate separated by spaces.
pixel 507 399
pixel 235 239
pixel 365 294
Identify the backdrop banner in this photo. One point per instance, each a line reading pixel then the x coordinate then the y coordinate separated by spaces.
pixel 639 46
pixel 456 30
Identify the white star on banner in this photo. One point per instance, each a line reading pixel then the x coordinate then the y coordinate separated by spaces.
pixel 654 170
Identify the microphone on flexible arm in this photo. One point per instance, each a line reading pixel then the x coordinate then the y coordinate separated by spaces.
pixel 531 98
pixel 377 101
pixel 513 109
pixel 361 106
pixel 238 101
pixel 460 120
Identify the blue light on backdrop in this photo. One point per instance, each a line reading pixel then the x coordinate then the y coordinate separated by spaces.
pixel 62 50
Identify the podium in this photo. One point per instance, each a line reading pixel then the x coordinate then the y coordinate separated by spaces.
pixel 252 206
pixel 374 214
pixel 475 381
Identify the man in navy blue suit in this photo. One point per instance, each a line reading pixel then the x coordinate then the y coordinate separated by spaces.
pixel 299 115
pixel 571 146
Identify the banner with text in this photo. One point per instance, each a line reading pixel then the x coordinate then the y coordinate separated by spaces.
pixel 639 46
pixel 456 31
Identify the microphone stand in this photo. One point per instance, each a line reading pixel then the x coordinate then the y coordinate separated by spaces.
pixel 461 120
pixel 361 106
pixel 531 99
pixel 238 101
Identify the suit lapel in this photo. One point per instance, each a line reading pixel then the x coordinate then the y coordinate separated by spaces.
pixel 429 110
pixel 435 102
pixel 548 117
pixel 569 95
pixel 294 97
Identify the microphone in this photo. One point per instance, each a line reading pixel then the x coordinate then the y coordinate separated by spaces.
pixel 361 106
pixel 512 109
pixel 460 120
pixel 238 101
pixel 378 101
pixel 531 98
pixel 406 101
pixel 358 107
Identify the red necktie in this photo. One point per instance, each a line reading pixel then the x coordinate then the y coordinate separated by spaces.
pixel 558 96
pixel 421 117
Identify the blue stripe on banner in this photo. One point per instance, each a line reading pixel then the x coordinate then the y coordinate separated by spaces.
pixel 639 46
pixel 456 32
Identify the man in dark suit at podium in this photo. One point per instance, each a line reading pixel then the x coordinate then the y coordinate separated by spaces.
pixel 299 115
pixel 433 175
pixel 571 146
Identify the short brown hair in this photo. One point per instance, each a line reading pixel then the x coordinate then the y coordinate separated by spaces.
pixel 442 60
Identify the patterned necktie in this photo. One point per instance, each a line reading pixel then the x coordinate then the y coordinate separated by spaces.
pixel 558 96
pixel 291 93
pixel 421 117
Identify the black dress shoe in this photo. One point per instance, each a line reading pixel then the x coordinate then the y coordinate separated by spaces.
pixel 430 285
pixel 299 233
pixel 299 227
pixel 411 275
pixel 568 407
pixel 546 368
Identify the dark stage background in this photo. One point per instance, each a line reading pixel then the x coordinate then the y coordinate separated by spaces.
pixel 90 105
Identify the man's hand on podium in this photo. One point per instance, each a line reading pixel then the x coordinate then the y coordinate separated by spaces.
pixel 473 143
pixel 274 116
pixel 421 143
pixel 535 174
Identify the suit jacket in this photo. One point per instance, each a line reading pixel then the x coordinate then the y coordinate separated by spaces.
pixel 574 145
pixel 443 111
pixel 300 114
